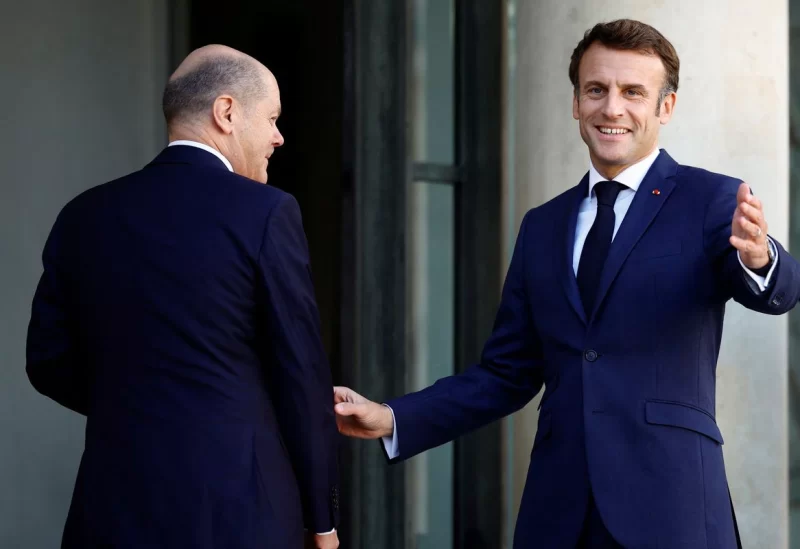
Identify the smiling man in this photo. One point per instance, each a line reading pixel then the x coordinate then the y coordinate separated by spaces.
pixel 614 301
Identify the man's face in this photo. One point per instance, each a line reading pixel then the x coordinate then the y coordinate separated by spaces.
pixel 259 136
pixel 616 106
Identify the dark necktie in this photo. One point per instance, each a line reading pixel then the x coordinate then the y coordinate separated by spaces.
pixel 598 241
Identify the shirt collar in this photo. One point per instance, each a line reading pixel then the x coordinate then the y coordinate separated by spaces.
pixel 631 176
pixel 203 146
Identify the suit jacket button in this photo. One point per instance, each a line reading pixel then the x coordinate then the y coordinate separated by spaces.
pixel 590 355
pixel 777 300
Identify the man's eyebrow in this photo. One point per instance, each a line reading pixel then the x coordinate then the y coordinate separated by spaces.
pixel 622 86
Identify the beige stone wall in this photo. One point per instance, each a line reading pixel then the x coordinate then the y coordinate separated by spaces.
pixel 82 83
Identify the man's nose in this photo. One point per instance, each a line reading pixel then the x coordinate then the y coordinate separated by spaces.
pixel 613 106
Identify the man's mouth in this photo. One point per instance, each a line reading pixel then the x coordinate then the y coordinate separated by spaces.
pixel 606 130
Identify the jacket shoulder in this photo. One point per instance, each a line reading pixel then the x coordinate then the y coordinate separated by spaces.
pixel 701 180
pixel 555 208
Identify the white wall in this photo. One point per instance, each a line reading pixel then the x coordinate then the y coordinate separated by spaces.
pixel 79 105
pixel 731 117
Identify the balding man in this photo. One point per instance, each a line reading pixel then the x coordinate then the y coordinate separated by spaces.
pixel 176 312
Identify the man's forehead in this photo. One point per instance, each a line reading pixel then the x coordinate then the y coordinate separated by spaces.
pixel 613 66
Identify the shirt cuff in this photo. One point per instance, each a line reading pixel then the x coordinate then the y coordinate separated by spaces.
pixel 390 443
pixel 322 533
pixel 762 281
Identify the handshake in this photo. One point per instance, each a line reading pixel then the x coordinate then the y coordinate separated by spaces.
pixel 356 417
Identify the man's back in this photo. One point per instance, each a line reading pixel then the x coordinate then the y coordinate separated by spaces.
pixel 182 300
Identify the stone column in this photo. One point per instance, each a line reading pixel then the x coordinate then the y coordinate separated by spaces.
pixel 731 117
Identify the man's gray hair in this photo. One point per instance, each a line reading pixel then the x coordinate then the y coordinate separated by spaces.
pixel 194 93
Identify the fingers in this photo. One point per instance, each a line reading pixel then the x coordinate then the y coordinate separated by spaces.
pixel 748 220
pixel 369 420
pixel 743 193
pixel 345 394
pixel 742 244
pixel 747 246
pixel 340 394
pixel 750 229
pixel 348 408
pixel 745 196
pixel 326 541
pixel 753 214
pixel 755 203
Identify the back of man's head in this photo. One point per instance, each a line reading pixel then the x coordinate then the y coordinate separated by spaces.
pixel 205 75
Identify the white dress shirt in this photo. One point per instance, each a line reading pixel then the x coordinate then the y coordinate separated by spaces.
pixel 631 177
pixel 219 155
pixel 203 146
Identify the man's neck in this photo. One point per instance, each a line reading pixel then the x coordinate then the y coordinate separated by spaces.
pixel 183 139
pixel 610 172
pixel 197 137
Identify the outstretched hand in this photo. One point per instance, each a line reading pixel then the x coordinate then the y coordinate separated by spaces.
pixel 359 417
pixel 749 229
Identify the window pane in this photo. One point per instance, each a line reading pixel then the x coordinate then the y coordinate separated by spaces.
pixel 432 290
pixel 432 81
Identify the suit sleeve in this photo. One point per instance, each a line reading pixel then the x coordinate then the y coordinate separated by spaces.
pixel 53 365
pixel 507 377
pixel 783 291
pixel 299 374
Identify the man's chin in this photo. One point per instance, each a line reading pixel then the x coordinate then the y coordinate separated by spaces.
pixel 611 157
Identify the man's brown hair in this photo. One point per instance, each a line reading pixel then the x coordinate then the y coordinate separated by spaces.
pixel 627 34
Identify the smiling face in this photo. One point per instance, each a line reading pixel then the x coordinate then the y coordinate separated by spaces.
pixel 259 135
pixel 617 106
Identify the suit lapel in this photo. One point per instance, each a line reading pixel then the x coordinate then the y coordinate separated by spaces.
pixel 647 202
pixel 568 280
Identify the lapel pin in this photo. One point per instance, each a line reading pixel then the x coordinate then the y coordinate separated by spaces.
pixel 656 192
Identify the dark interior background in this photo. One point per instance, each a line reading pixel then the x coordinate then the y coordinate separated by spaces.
pixel 301 43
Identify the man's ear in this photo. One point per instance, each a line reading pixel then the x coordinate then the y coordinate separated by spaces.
pixel 575 106
pixel 223 113
pixel 667 108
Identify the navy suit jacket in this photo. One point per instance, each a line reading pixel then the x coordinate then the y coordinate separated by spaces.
pixel 176 311
pixel 629 401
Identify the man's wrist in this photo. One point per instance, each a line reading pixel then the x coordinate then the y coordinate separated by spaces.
pixel 763 270
pixel 387 422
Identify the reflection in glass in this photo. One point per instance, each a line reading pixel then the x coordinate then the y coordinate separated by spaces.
pixel 433 81
pixel 431 332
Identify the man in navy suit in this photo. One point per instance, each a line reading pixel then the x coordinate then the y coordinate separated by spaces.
pixel 614 300
pixel 176 312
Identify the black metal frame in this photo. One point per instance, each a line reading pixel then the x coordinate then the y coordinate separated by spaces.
pixel 377 175
pixel 373 312
pixel 438 173
pixel 478 456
